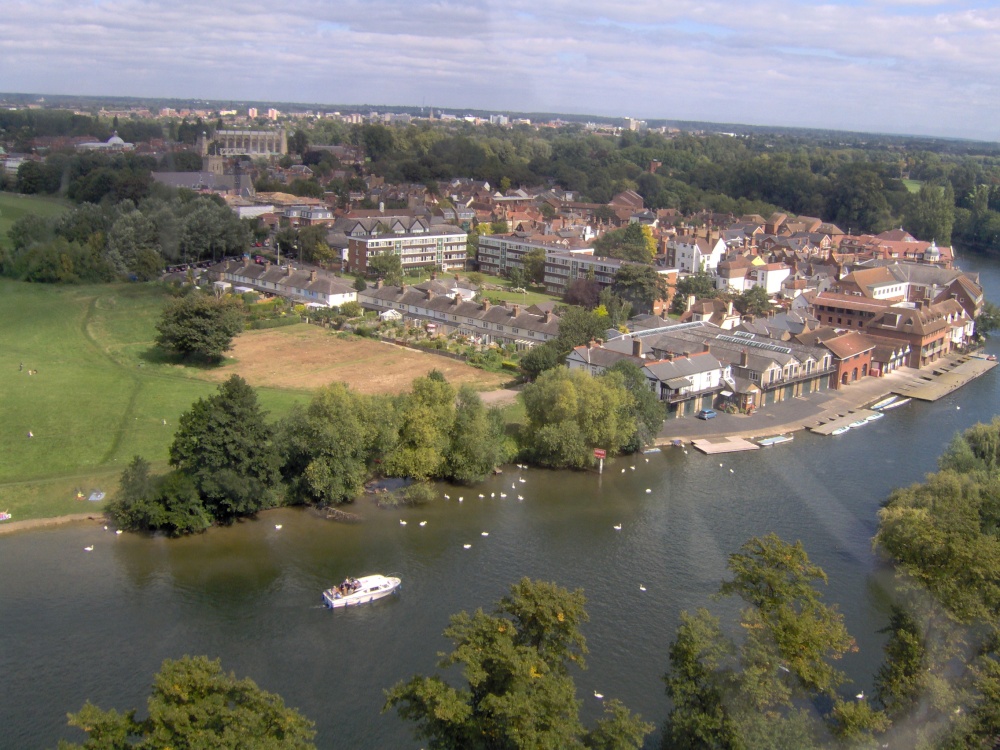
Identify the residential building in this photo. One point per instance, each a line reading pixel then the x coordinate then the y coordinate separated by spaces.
pixel 499 254
pixel 417 242
pixel 446 306
pixel 314 286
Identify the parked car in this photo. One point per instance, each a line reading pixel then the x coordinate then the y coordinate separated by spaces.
pixel 706 414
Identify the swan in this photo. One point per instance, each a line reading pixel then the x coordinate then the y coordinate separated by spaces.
pixel 277 526
pixel 648 490
pixel 89 549
pixel 423 523
pixel 617 527
pixel 119 531
pixel 641 587
pixel 467 546
pixel 402 522
pixel 446 497
pixel 485 533
pixel 520 497
pixel 503 494
pixel 599 696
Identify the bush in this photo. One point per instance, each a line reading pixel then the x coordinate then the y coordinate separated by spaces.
pixel 419 493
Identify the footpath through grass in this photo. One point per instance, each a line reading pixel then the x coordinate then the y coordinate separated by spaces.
pixel 82 390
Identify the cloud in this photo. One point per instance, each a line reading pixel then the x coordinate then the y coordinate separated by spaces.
pixel 915 66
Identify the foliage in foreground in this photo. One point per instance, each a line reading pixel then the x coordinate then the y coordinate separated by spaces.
pixel 194 704
pixel 754 693
pixel 944 535
pixel 518 690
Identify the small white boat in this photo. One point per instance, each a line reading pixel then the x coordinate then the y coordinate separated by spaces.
pixel 874 417
pixel 894 404
pixel 776 440
pixel 840 430
pixel 362 590
pixel 883 403
pixel 858 423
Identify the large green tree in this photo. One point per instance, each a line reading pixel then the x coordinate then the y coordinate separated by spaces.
pixel 641 285
pixel 200 326
pixel 194 704
pixel 477 439
pixel 634 242
pixel 518 691
pixel 570 413
pixel 386 266
pixel 225 445
pixel 426 418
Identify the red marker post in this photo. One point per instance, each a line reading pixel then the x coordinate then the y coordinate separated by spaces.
pixel 601 454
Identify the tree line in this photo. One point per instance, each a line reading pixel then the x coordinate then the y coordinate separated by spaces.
pixel 111 240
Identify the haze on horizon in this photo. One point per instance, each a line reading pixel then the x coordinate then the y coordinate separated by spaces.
pixel 926 67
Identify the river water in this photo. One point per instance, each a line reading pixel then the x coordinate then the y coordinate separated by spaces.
pixel 78 625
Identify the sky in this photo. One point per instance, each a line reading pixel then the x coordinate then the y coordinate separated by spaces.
pixel 926 67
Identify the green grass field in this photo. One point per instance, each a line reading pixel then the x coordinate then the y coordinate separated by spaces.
pixel 913 185
pixel 13 206
pixel 99 393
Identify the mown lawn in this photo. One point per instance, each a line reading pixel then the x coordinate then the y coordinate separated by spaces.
pixel 913 185
pixel 13 206
pixel 82 391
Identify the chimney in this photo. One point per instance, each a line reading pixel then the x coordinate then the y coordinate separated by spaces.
pixel 669 356
pixel 456 298
pixel 486 304
pixel 590 344
pixel 267 265
pixel 429 293
pixel 548 316
pixel 288 270
pixel 402 287
pixel 706 346
pixel 690 301
pixel 745 358
pixel 636 347
pixel 312 276
pixel 729 308
pixel 515 310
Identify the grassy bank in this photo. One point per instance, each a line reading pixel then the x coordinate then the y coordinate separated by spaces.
pixel 13 206
pixel 83 390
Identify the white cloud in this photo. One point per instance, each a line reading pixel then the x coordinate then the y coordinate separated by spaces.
pixel 923 66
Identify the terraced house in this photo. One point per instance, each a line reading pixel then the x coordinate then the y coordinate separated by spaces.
pixel 447 308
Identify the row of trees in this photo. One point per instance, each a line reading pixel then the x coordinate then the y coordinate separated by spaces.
pixel 108 241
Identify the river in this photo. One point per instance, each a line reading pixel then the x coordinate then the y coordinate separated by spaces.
pixel 80 625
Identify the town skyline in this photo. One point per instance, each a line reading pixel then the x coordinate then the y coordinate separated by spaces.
pixel 918 68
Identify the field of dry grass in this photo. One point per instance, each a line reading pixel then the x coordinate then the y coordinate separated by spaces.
pixel 307 357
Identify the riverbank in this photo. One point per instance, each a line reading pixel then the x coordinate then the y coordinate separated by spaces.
pixel 9 527
pixel 801 413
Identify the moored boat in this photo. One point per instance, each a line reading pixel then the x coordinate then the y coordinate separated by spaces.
pixel 883 403
pixel 874 417
pixel 776 440
pixel 354 591
pixel 858 423
pixel 840 430
pixel 894 404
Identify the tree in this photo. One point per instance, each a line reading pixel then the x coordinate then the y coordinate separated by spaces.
pixel 360 284
pixel 570 413
pixel 299 142
pixel 640 285
pixel 583 292
pixel 199 325
pixel 634 242
pixel 499 227
pixel 193 703
pixel 134 507
pixel 578 326
pixel 900 680
pixel 519 692
pixel 698 285
pixel 534 265
pixel 224 444
pixel 388 267
pixel 929 214
pixel 988 319
pixel 329 446
pixel 753 301
pixel 541 358
pixel 426 417
pixel 477 437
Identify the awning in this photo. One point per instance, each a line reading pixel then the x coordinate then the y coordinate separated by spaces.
pixel 677 383
pixel 726 394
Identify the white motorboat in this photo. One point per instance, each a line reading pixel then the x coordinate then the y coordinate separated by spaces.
pixel 354 591
pixel 776 440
